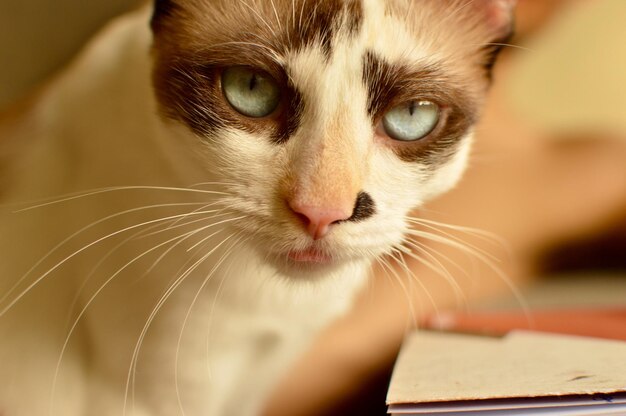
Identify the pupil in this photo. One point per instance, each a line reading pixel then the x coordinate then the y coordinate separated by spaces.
pixel 253 82
pixel 412 108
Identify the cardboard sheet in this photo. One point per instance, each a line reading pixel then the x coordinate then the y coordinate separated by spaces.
pixel 449 374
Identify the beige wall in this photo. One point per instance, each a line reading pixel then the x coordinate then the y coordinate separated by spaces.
pixel 39 36
pixel 572 78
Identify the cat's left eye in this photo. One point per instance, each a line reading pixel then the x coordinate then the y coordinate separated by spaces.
pixel 411 121
pixel 251 92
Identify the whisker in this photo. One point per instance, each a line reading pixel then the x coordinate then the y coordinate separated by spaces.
pixel 476 232
pixel 75 253
pixel 199 184
pixel 423 287
pixel 184 221
pixel 486 259
pixel 74 196
pixel 217 265
pixel 423 247
pixel 217 223
pixel 66 240
pixel 93 297
pixel 507 45
pixel 400 250
pixel 169 250
pixel 213 306
pixel 398 279
pixel 450 240
pixel 130 380
pixel 97 266
pixel 436 266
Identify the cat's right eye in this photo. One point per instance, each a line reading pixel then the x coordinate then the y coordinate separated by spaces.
pixel 251 92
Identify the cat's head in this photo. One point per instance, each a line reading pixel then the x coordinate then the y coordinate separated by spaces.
pixel 330 119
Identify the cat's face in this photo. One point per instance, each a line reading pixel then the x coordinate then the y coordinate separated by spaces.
pixel 329 119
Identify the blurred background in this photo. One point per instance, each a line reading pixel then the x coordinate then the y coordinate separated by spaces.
pixel 38 37
pixel 548 175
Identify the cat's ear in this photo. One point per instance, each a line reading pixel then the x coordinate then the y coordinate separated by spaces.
pixel 499 18
pixel 499 15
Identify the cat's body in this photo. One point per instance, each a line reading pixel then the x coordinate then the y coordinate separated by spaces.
pixel 290 210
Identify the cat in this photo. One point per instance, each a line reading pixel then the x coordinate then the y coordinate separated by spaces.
pixel 207 185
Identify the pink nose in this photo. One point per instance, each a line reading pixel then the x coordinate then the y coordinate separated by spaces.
pixel 318 220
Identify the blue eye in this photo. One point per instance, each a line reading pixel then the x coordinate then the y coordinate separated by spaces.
pixel 411 121
pixel 252 93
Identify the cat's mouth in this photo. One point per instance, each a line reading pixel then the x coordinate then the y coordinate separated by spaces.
pixel 310 256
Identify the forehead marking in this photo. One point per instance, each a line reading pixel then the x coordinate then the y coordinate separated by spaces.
pixel 325 22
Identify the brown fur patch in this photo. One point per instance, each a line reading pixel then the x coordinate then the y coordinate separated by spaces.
pixel 191 92
pixel 325 21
